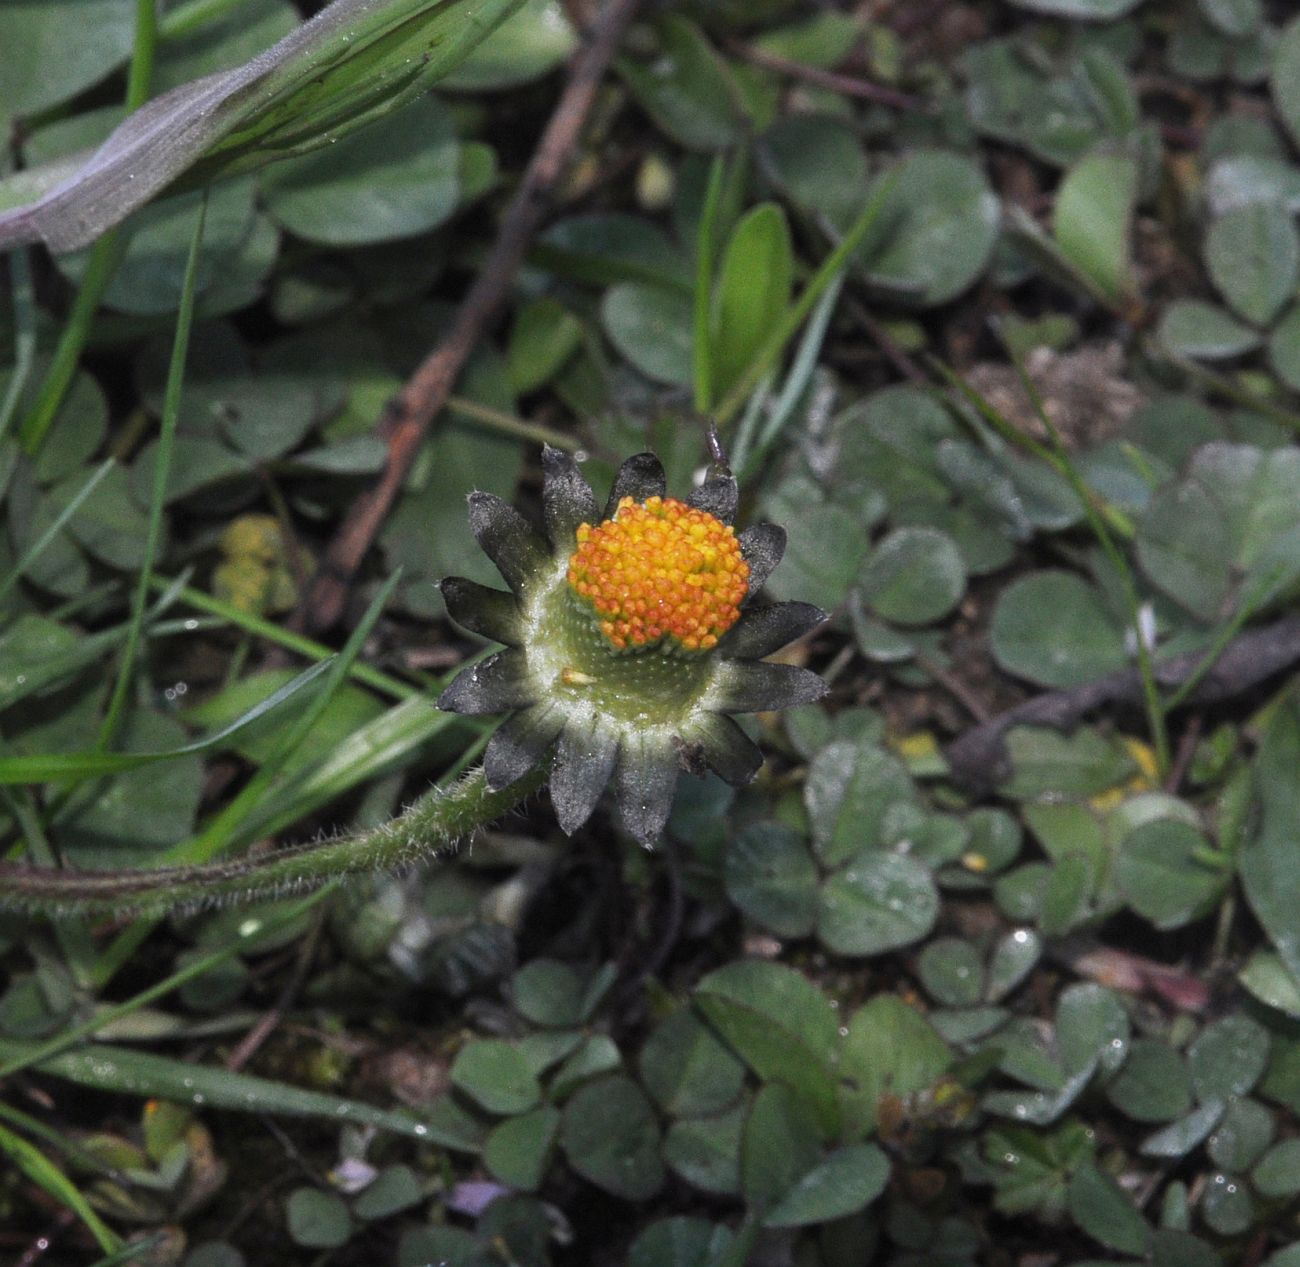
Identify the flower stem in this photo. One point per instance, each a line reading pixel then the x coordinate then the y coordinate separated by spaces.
pixel 433 825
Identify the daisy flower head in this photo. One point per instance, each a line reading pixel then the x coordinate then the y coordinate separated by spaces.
pixel 630 636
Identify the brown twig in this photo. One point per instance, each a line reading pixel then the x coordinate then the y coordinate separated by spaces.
pixel 978 758
pixel 849 85
pixel 271 1018
pixel 407 416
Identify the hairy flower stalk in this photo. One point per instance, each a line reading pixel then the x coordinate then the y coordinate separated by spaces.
pixel 432 826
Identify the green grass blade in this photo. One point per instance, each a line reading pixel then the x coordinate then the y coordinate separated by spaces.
pixel 123 1071
pixel 702 341
pixel 46 1175
pixel 115 713
pixel 351 64
pixel 286 638
pixel 41 544
pixel 69 766
pixel 229 824
pixel 253 927
pixel 797 313
pixel 24 297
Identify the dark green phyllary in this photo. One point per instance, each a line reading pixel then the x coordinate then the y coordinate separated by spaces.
pixel 630 636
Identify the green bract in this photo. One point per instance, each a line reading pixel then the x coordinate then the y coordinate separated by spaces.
pixel 641 714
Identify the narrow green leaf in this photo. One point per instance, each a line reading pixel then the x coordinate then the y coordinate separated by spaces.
pixel 350 65
pixel 91 764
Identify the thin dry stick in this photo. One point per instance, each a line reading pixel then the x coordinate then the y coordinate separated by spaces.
pixel 407 415
pixel 252 1042
pixel 849 85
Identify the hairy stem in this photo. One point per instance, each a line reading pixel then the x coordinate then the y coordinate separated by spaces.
pixel 433 825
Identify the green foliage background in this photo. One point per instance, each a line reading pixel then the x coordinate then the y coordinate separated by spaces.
pixel 863 1011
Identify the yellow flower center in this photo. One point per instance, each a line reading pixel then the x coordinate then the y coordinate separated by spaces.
pixel 660 569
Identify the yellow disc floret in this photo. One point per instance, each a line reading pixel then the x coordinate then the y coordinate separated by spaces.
pixel 660 569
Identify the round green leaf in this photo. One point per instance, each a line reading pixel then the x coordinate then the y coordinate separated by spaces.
pixel 848 792
pixel 821 163
pixel 1161 876
pixel 238 252
pixel 108 523
pixel 1243 1133
pixel 952 971
pixel 1093 218
pixel 544 336
pixel 78 428
pixel 1013 960
pixel 686 89
pixel 1183 549
pixel 394 1189
pixel 526 46
pixel 1226 1205
pixel 686 1068
pixel 879 902
pixel 1253 254
pixel 1228 1057
pixel 1092 1028
pixel 809 571
pixel 1284 348
pixel 1106 1212
pixel 705 1151
pixel 1053 629
pixel 50 50
pixel 1153 1085
pixel 547 992
pixel 1204 331
pixel 496 1075
pixel 780 1145
pixel 848 1180
pixel 651 326
pixel 609 1135
pixel 1285 81
pixel 1278 1172
pixel 913 576
pixel 770 875
pixel 936 227
pixel 517 1150
pixel 317 1220
pixel 679 1242
pixel 395 179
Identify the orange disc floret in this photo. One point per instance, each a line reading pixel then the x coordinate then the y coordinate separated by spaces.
pixel 660 569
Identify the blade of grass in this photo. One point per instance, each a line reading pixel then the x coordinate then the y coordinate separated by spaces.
pixel 46 1175
pixel 46 767
pixel 702 340
pixel 105 256
pixel 127 1072
pixel 42 543
pixel 36 1129
pixel 228 826
pixel 1115 518
pixel 281 637
pixel 254 927
pixel 115 713
pixel 796 381
pixel 24 297
pixel 374 750
pixel 795 316
pixel 508 424
pixel 1155 708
